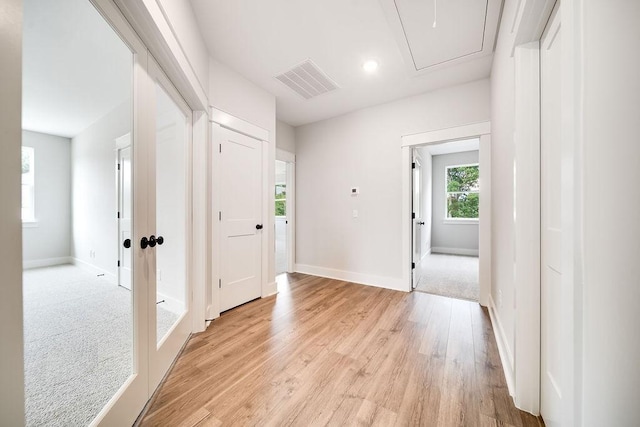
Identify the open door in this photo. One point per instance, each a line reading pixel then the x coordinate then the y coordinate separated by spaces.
pixel 417 218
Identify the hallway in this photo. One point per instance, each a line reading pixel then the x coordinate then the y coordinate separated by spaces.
pixel 327 352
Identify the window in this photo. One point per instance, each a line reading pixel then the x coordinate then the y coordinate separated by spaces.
pixel 463 191
pixel 281 199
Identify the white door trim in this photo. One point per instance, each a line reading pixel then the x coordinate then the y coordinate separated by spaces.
pixel 481 130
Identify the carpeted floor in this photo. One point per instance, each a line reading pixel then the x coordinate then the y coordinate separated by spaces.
pixel 450 276
pixel 78 344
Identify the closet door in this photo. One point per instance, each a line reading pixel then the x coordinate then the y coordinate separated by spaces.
pixel 169 201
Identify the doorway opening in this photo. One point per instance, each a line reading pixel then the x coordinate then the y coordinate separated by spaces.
pixel 445 218
pixel 284 212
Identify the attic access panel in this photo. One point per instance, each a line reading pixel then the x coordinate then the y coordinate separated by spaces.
pixel 459 31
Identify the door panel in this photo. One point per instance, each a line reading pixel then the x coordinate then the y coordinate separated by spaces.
pixel 169 198
pixel 553 317
pixel 418 220
pixel 241 215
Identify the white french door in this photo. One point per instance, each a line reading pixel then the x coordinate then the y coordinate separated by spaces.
pixel 418 218
pixel 169 198
pixel 155 187
pixel 555 335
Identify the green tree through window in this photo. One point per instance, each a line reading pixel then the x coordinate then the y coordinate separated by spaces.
pixel 463 189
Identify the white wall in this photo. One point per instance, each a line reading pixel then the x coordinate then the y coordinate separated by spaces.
pixel 363 149
pixel 93 195
pixel 611 294
pixel 450 238
pixel 232 93
pixel 11 350
pixel 427 199
pixel 502 170
pixel 285 137
pixel 50 238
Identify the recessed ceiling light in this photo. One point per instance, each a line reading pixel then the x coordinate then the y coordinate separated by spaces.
pixel 370 66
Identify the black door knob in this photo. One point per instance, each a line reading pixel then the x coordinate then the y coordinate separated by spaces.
pixel 259 227
pixel 152 241
pixel 159 240
pixel 144 242
pixel 127 243
pixel 421 223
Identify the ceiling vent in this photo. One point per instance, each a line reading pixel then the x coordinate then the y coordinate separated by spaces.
pixel 307 80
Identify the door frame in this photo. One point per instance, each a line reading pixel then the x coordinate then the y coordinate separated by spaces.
pixel 481 130
pixel 290 159
pixel 221 119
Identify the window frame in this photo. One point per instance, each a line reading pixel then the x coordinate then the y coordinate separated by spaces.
pixel 451 220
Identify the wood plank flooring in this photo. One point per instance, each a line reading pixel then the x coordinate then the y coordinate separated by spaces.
pixel 327 352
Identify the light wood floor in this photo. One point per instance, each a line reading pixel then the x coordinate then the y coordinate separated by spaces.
pixel 326 352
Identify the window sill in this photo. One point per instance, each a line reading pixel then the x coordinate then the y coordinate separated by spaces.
pixel 29 224
pixel 461 221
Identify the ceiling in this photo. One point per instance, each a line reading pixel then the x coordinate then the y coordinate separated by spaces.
pixel 261 39
pixel 75 68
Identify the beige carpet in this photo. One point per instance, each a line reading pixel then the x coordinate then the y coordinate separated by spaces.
pixel 450 276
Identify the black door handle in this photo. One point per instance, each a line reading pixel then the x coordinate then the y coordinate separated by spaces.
pixel 421 223
pixel 159 240
pixel 127 243
pixel 144 242
pixel 259 227
pixel 152 241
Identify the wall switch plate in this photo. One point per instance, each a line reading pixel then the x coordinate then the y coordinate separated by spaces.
pixel 355 213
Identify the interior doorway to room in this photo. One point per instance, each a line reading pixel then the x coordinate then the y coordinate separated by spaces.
pixel 445 218
pixel 284 211
pixel 106 197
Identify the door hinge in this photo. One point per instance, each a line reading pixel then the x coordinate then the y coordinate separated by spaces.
pixel 413 165
pixel 118 263
pixel 413 265
pixel 118 215
pixel 220 283
pixel 413 215
pixel 219 215
pixel 118 166
pixel 220 148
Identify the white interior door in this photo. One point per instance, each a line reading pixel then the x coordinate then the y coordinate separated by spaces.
pixel 169 200
pixel 240 217
pixel 418 220
pixel 125 211
pixel 553 318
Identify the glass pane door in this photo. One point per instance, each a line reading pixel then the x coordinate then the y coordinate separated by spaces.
pixel 83 281
pixel 169 218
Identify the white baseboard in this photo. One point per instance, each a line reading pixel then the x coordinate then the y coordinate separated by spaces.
pixel 93 269
pixel 47 262
pixel 270 289
pixel 506 356
pixel 455 251
pixel 393 283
